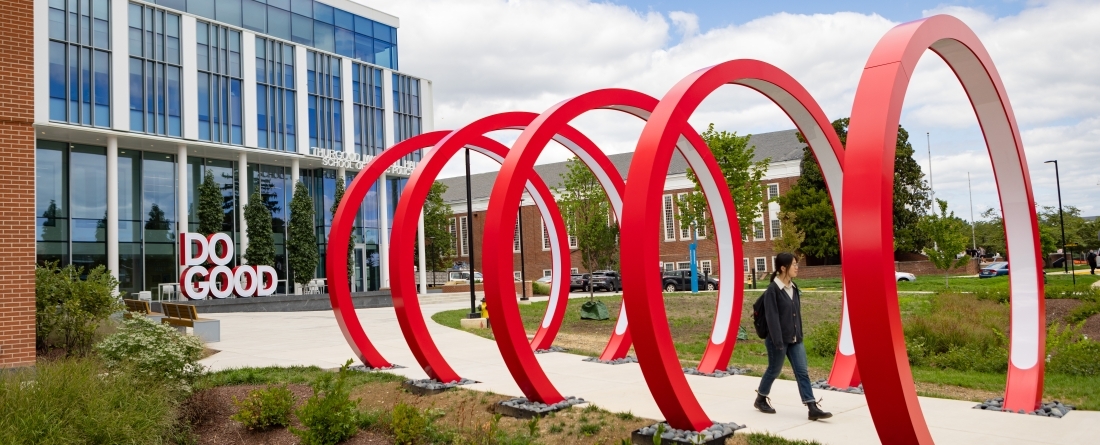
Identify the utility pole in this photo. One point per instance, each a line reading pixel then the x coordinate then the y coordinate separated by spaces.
pixel 522 266
pixel 931 189
pixel 474 313
pixel 1061 221
pixel 973 236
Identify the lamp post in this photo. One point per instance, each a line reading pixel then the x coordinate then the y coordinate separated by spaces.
pixel 1061 220
pixel 931 188
pixel 973 235
pixel 522 266
pixel 474 313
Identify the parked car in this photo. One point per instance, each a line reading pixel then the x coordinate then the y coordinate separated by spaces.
pixel 545 280
pixel 994 270
pixel 578 281
pixel 680 280
pixel 904 276
pixel 608 280
pixel 463 276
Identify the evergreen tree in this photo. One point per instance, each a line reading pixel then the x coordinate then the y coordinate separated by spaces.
pixel 261 244
pixel 301 246
pixel 587 214
pixel 210 203
pixel 438 250
pixel 339 196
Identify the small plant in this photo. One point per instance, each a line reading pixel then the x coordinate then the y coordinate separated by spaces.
pixel 557 429
pixel 70 305
pixel 154 351
pixel 657 434
pixel 265 408
pixel 538 288
pixel 589 429
pixel 1070 352
pixel 329 415
pixel 626 416
pixel 408 424
pixel 822 340
pixel 533 426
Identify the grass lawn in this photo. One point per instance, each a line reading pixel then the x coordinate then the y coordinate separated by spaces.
pixel 935 283
pixel 691 316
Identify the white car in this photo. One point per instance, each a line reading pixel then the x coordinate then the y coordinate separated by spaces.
pixel 904 276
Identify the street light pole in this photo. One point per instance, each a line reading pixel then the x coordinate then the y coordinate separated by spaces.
pixel 931 188
pixel 474 313
pixel 1061 220
pixel 973 235
pixel 522 266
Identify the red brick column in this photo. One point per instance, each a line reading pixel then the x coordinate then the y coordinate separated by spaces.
pixel 17 183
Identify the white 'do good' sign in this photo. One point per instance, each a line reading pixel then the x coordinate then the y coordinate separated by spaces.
pixel 220 281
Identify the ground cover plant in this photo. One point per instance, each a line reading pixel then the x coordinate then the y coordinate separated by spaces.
pixel 957 341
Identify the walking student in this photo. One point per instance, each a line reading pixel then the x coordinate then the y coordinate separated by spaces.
pixel 783 312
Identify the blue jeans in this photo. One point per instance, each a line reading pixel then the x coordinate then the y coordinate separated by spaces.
pixel 796 353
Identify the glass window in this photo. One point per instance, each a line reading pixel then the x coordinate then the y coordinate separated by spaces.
pixel 406 110
pixel 368 109
pixel 302 29
pixel 278 23
pixel 322 12
pixel 382 53
pixel 325 113
pixel 364 26
pixel 154 82
pixel 219 83
pixel 381 32
pixel 364 48
pixel 180 5
pixel 345 43
pixel 255 16
pixel 203 8
pixel 88 182
pixel 323 37
pixel 345 19
pixel 229 11
pixel 274 95
pixel 282 4
pixel 303 7
pixel 80 76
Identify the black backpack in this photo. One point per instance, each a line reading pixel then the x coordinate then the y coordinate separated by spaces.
pixel 758 319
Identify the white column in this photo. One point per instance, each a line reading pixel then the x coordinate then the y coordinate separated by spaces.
pixel 383 233
pixel 248 65
pixel 41 98
pixel 387 101
pixel 112 205
pixel 242 193
pixel 301 97
pixel 422 260
pixel 348 101
pixel 190 78
pixel 182 187
pixel 294 173
pixel 120 64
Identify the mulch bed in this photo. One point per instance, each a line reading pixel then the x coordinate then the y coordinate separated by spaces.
pixel 1058 309
pixel 210 409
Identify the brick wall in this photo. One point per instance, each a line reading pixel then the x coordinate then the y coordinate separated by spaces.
pixel 674 251
pixel 17 184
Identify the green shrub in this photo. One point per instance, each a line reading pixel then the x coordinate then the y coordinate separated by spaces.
pixel 71 305
pixel 1083 312
pixel 962 332
pixel 155 351
pixel 823 339
pixel 329 415
pixel 73 401
pixel 540 288
pixel 265 408
pixel 1071 353
pixel 408 424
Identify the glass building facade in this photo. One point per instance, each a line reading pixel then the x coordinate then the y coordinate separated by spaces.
pixel 228 85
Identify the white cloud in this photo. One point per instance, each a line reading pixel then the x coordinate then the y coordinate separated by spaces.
pixel 489 56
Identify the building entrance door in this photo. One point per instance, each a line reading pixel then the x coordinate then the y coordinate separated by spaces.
pixel 358 280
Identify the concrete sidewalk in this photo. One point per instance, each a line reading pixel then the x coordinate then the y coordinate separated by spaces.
pixel 313 338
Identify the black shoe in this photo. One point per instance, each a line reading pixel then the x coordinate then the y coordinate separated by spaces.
pixel 762 404
pixel 816 413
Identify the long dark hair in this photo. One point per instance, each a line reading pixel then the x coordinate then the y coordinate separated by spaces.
pixel 782 260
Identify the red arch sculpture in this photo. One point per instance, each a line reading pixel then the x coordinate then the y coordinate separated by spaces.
pixel 868 229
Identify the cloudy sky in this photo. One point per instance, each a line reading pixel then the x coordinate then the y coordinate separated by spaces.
pixel 490 56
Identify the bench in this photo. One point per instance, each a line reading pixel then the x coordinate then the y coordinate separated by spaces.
pixel 184 316
pixel 141 307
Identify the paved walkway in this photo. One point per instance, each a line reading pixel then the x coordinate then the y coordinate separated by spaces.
pixel 313 338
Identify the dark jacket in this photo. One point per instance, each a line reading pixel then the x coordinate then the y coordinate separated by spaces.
pixel 783 314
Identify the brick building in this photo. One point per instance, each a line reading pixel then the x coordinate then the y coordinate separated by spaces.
pixel 782 147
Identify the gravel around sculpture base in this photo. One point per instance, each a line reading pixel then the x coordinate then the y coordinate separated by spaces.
pixel 1052 409
pixel 824 384
pixel 427 387
pixel 521 408
pixel 365 368
pixel 618 361
pixel 553 348
pixel 732 370
pixel 715 435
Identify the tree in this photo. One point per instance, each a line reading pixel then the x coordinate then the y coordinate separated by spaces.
pixel 210 204
pixel 51 231
pixel 948 236
pixel 438 250
pixel 792 237
pixel 587 215
pixel 989 233
pixel 1078 231
pixel 813 211
pixel 301 246
pixel 742 176
pixel 261 244
pixel 339 196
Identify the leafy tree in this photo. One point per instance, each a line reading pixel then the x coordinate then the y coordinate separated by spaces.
pixel 261 244
pixel 438 249
pixel 989 232
pixel 1078 231
pixel 50 229
pixel 809 200
pixel 948 235
pixel 339 196
pixel 742 176
pixel 587 214
pixel 211 215
pixel 793 236
pixel 302 243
